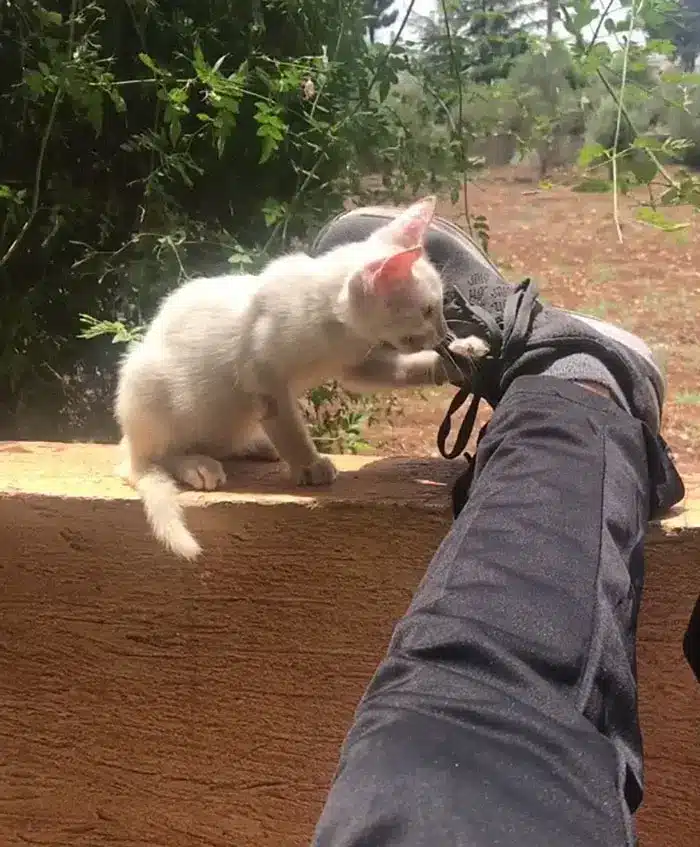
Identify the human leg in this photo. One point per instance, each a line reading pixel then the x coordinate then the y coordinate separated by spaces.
pixel 505 710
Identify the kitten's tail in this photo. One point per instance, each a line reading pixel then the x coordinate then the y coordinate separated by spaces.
pixel 159 492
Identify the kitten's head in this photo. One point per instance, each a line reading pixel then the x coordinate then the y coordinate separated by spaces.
pixel 395 293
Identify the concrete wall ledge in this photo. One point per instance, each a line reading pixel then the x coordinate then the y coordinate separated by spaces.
pixel 148 702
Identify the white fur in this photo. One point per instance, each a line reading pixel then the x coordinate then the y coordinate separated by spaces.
pixel 221 366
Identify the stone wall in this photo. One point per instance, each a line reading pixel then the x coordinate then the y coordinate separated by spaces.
pixel 148 702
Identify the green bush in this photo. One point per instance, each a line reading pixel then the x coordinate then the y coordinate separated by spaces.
pixel 144 143
pixel 547 109
pixel 680 105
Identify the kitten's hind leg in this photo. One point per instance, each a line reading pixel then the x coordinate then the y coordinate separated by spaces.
pixel 256 447
pixel 149 441
pixel 196 470
pixel 285 427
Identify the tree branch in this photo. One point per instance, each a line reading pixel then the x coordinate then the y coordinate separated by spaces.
pixel 45 138
pixel 460 125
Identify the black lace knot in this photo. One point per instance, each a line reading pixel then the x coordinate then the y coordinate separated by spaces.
pixel 507 339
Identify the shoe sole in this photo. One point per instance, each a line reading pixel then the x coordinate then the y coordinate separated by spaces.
pixel 622 336
pixel 446 227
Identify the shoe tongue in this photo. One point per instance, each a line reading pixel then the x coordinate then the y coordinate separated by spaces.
pixel 475 292
pixel 475 302
pixel 490 293
pixel 469 273
pixel 472 284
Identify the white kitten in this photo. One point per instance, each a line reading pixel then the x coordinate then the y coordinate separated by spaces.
pixel 221 366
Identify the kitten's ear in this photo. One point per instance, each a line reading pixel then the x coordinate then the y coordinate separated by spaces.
pixel 410 227
pixel 382 276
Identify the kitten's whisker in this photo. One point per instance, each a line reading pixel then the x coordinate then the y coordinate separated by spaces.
pixel 463 323
pixel 371 350
pixel 448 355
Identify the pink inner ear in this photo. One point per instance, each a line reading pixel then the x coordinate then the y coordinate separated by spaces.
pixel 386 275
pixel 410 227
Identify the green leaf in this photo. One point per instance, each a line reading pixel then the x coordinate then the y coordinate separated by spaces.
pixel 655 218
pixel 241 256
pixel 384 89
pixel 640 166
pixel 661 46
pixel 593 186
pixel 180 168
pixel 648 142
pixel 117 100
pixel 639 66
pixel 239 75
pixel 268 147
pixel 219 62
pixel 35 82
pixel 591 153
pixel 120 332
pixel 199 62
pixel 46 16
pixel 585 15
pixel 178 95
pixel 175 131
pixel 92 102
pixel 148 62
pixel 273 211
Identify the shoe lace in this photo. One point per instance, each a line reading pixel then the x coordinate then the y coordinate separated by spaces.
pixel 506 341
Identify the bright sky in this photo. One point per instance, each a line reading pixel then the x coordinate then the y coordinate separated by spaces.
pixel 420 7
pixel 425 7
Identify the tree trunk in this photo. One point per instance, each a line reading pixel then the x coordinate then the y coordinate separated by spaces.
pixel 552 6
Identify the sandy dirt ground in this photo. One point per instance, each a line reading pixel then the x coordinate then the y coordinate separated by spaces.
pixel 567 242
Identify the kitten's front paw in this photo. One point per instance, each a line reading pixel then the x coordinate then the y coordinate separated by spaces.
pixel 321 472
pixel 468 350
pixel 199 472
pixel 471 347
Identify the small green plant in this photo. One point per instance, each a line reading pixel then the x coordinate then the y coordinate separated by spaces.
pixel 120 332
pixel 337 418
pixel 688 398
pixel 633 149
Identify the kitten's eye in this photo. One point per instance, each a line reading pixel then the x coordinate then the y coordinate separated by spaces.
pixel 428 311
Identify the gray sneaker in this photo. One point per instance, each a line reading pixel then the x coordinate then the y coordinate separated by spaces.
pixel 525 336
